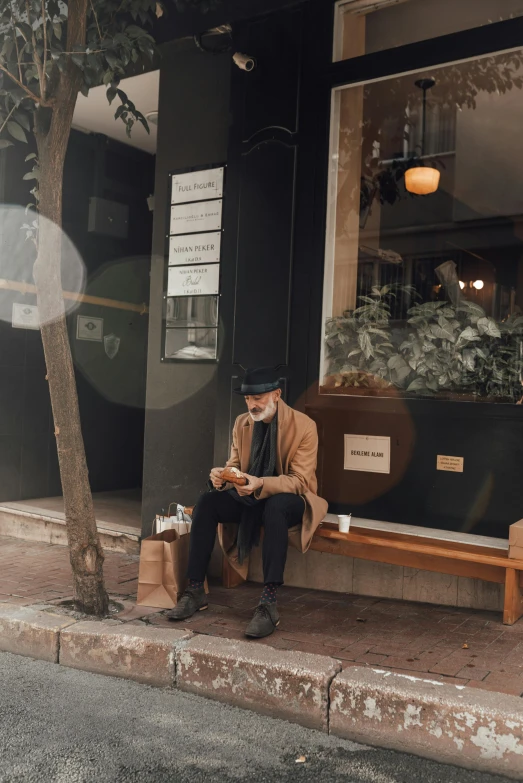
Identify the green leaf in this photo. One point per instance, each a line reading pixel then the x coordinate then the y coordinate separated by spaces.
pixel 365 344
pixel 416 385
pixel 23 120
pixel 16 131
pixel 5 143
pixel 111 94
pixel 489 327
pixel 397 362
pixel 469 334
pixel 31 156
pixel 442 334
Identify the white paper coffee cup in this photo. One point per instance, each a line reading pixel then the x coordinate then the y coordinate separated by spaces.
pixel 344 522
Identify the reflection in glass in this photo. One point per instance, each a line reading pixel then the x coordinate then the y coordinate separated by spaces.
pixel 191 344
pixel 365 26
pixel 424 293
pixel 192 311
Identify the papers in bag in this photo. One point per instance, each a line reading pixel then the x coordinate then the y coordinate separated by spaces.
pixel 179 521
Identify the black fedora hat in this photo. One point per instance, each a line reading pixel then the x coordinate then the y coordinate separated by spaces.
pixel 259 381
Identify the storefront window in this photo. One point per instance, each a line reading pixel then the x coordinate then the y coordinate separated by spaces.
pixel 424 255
pixel 365 26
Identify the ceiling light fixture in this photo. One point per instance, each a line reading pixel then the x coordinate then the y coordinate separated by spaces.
pixel 478 284
pixel 423 180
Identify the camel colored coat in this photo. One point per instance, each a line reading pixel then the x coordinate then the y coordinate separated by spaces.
pixel 296 456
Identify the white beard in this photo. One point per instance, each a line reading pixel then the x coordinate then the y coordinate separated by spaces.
pixel 268 413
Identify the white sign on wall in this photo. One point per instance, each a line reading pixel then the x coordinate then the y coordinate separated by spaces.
pixel 89 328
pixel 193 280
pixel 201 216
pixel 195 249
pixel 368 453
pixel 25 316
pixel 197 185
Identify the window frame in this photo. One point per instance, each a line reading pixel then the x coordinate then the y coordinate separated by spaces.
pixel 458 47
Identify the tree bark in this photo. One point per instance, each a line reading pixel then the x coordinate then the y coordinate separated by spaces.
pixel 52 130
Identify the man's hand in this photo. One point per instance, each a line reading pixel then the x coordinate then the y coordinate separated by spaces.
pixel 253 483
pixel 216 477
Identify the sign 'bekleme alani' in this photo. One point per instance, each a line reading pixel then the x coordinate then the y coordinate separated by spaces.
pixel 367 453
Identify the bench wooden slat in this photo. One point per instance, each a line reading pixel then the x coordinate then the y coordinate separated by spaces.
pixel 409 559
pixel 449 554
pixel 425 540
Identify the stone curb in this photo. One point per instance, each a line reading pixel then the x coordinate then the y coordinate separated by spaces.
pixel 289 685
pixel 457 725
pixel 453 724
pixel 26 631
pixel 139 653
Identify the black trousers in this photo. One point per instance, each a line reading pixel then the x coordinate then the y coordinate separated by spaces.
pixel 280 512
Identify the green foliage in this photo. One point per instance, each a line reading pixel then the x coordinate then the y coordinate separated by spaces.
pixel 35 59
pixel 442 348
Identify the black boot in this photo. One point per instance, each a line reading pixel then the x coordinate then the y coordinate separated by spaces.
pixel 265 620
pixel 193 600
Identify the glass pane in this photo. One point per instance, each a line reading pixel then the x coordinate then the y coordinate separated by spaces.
pixel 191 344
pixel 192 311
pixel 424 258
pixel 364 26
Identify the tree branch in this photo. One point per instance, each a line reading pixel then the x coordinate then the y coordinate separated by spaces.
pixel 29 92
pixel 96 20
pixel 36 58
pixel 16 45
pixel 7 119
pixel 43 91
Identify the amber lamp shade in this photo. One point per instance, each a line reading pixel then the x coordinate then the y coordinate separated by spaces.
pixel 422 180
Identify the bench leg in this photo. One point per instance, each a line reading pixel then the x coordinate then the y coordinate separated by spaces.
pixel 230 577
pixel 513 608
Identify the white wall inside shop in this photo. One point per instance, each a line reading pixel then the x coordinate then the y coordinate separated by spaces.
pixel 418 20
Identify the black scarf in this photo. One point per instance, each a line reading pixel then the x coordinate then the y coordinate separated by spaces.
pixel 262 463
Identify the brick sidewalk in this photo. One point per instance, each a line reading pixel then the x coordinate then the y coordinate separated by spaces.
pixel 460 646
pixel 31 572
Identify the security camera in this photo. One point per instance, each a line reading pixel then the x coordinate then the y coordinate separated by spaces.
pixel 244 61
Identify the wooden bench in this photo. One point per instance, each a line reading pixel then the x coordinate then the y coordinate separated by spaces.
pixel 427 554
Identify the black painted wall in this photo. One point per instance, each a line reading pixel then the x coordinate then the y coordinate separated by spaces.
pixel 263 197
pixel 272 288
pixel 111 392
pixel 181 397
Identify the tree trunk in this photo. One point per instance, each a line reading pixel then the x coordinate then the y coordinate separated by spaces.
pixel 52 130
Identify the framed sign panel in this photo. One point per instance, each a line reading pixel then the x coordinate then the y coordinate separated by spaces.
pixel 199 216
pixel 197 185
pixel 193 280
pixel 195 248
pixel 192 269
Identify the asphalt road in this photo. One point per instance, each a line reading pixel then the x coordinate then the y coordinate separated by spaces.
pixel 58 725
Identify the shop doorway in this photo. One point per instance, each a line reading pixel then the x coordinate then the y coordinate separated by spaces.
pixel 107 215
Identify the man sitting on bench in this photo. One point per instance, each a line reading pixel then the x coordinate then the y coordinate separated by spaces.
pixel 276 449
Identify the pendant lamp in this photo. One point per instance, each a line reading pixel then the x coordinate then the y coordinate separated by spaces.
pixel 423 180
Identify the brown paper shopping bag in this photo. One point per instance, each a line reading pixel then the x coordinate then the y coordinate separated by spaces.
pixel 163 568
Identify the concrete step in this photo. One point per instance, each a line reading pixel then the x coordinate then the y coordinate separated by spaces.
pixel 35 525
